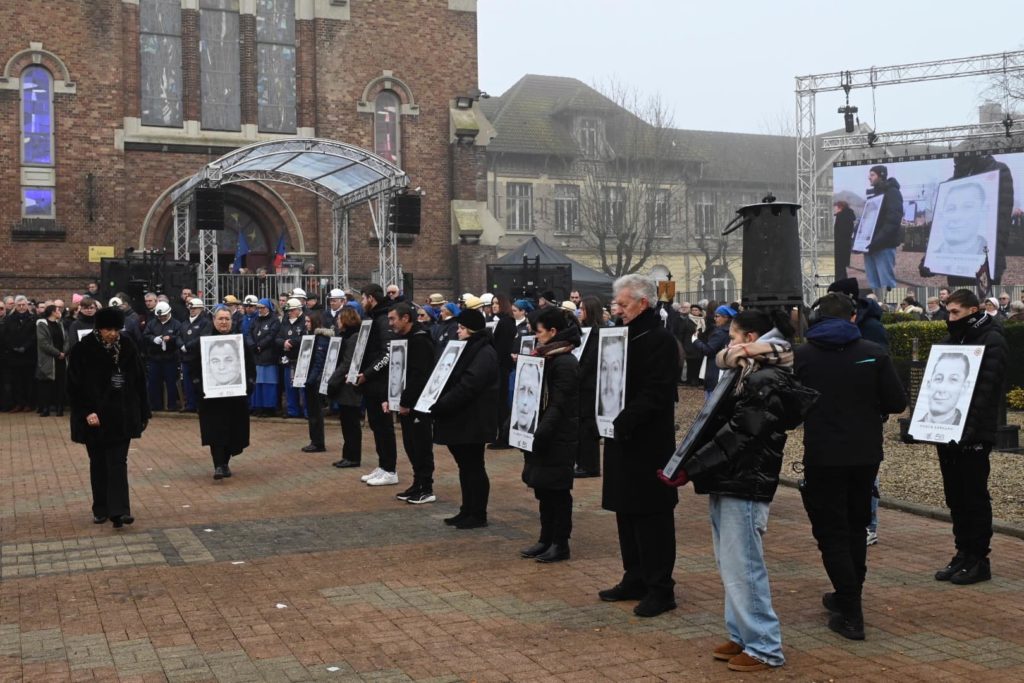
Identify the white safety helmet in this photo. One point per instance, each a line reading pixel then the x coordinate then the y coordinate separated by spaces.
pixel 298 293
pixel 163 308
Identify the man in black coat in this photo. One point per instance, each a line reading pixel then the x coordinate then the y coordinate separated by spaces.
pixel 288 341
pixel 965 464
pixel 195 326
pixel 644 441
pixel 20 342
pixel 843 447
pixel 373 384
pixel 417 434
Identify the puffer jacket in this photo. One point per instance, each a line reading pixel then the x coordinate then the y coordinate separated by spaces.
pixel 889 228
pixel 983 415
pixel 549 465
pixel 466 412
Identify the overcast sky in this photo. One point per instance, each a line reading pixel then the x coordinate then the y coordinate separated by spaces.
pixel 730 65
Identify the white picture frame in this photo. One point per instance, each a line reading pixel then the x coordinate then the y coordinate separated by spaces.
pixel 330 363
pixel 398 362
pixel 965 222
pixel 222 358
pixel 866 223
pixel 526 344
pixel 610 398
pixel 526 401
pixel 303 360
pixel 82 334
pixel 491 325
pixel 940 412
pixel 584 338
pixel 359 352
pixel 439 375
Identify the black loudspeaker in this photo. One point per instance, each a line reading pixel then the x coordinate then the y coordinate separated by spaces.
pixel 209 208
pixel 405 214
pixel 771 256
pixel 407 287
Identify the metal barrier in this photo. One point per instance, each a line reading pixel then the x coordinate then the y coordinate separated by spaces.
pixel 271 286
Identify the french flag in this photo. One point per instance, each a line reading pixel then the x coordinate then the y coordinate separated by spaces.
pixel 280 252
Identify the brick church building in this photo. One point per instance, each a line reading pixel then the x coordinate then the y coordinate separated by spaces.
pixel 107 106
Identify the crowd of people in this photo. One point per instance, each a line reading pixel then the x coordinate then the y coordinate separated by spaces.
pixel 457 370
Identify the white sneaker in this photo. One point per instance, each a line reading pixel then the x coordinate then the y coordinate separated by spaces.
pixel 384 479
pixel 872 537
pixel 367 477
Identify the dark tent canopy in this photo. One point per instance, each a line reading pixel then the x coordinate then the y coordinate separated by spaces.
pixel 587 280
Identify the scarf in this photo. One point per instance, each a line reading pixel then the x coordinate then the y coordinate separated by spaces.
pixel 699 322
pixel 770 349
pixel 113 348
pixel 553 349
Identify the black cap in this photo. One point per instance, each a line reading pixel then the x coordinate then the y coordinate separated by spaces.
pixel 549 295
pixel 848 286
pixel 109 319
pixel 471 319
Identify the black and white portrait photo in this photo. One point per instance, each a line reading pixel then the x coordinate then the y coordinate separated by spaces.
pixel 611 377
pixel 964 227
pixel 866 224
pixel 396 372
pixel 330 362
pixel 302 362
pixel 439 376
pixel 360 351
pixel 945 394
pixel 223 366
pixel 526 398
pixel 526 345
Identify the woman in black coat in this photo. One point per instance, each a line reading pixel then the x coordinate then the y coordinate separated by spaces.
pixel 107 390
pixel 548 467
pixel 505 333
pixel 466 417
pixel 588 449
pixel 224 422
pixel 314 402
pixel 348 398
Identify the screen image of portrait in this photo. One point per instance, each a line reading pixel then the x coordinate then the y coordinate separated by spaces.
pixel 527 398
pixel 866 224
pixel 964 228
pixel 225 363
pixel 610 376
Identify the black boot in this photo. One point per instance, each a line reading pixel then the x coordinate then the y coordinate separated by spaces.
pixel 974 570
pixel 452 521
pixel 558 552
pixel 955 565
pixel 848 626
pixel 534 550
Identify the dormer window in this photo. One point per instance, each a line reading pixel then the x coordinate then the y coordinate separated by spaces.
pixel 588 132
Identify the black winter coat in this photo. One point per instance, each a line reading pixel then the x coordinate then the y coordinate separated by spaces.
pixel 318 360
pixel 549 465
pixel 645 429
pixel 588 381
pixel 444 331
pixel 20 338
pixel 889 227
pixel 983 415
pixel 87 322
pixel 123 413
pixel 717 340
pixel 505 342
pixel 224 421
pixel 869 320
pixel 190 334
pixel 418 365
pixel 842 231
pixel 466 412
pixel 158 330
pixel 293 331
pixel 133 328
pixel 375 360
pixel 264 340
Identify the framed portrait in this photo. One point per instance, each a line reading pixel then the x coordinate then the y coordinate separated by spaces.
pixel 697 433
pixel 359 352
pixel 611 377
pixel 491 325
pixel 578 351
pixel 330 363
pixel 866 224
pixel 964 226
pixel 302 362
pixel 527 344
pixel 439 376
pixel 223 364
pixel 82 334
pixel 398 355
pixel 946 391
pixel 526 401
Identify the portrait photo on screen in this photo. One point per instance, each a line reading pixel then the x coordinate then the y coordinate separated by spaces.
pixel 946 391
pixel 526 398
pixel 611 377
pixel 359 352
pixel 866 224
pixel 223 365
pixel 964 226
pixel 439 376
pixel 302 362
pixel 396 372
pixel 330 362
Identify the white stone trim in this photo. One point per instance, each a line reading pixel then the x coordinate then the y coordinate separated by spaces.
pixel 389 81
pixel 192 133
pixel 331 9
pixel 38 176
pixel 462 5
pixel 62 83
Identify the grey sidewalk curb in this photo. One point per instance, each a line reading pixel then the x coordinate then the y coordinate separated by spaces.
pixel 1001 527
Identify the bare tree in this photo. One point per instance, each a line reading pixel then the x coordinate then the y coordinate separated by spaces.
pixel 631 171
pixel 718 252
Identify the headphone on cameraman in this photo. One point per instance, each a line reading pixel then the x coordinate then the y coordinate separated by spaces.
pixel 815 315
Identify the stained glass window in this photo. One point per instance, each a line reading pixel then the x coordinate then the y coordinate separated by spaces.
pixel 219 65
pixel 37 116
pixel 275 65
pixel 386 137
pixel 161 73
pixel 37 202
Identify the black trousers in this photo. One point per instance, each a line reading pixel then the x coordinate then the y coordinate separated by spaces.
pixel 418 441
pixel 108 474
pixel 351 433
pixel 838 504
pixel 648 547
pixel 315 416
pixel 965 481
pixel 555 515
pixel 693 370
pixel 588 446
pixel 504 409
pixel 220 455
pixel 476 487
pixel 22 385
pixel 383 428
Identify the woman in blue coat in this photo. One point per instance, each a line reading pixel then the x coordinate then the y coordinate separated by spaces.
pixel 717 340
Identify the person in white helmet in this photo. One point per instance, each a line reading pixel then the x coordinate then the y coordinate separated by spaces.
pixel 289 335
pixel 335 302
pixel 160 339
pixel 197 325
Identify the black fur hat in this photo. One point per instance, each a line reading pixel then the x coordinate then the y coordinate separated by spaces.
pixel 109 319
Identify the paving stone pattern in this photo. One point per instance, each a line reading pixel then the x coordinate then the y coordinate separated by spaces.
pixel 294 571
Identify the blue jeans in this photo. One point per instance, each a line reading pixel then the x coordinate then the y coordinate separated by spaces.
pixel 880 267
pixel 737 526
pixel 293 396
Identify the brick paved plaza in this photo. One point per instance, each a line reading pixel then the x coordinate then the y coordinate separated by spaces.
pixel 294 571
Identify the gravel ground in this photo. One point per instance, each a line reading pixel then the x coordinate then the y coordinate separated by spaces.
pixel 910 472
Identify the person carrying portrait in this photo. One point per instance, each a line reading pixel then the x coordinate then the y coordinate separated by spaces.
pixel 318 360
pixel 85 319
pixel 160 336
pixel 644 441
pixel 588 442
pixel 263 336
pixel 224 422
pixel 466 418
pixel 50 365
pixel 965 464
pixel 373 385
pixel 417 427
pixel 504 344
pixel 738 466
pixel 548 465
pixel 197 325
pixel 858 387
pixel 717 339
pixel 107 394
pixel 349 401
pixel 880 258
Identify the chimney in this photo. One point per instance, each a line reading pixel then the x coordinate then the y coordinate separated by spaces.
pixel 990 112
